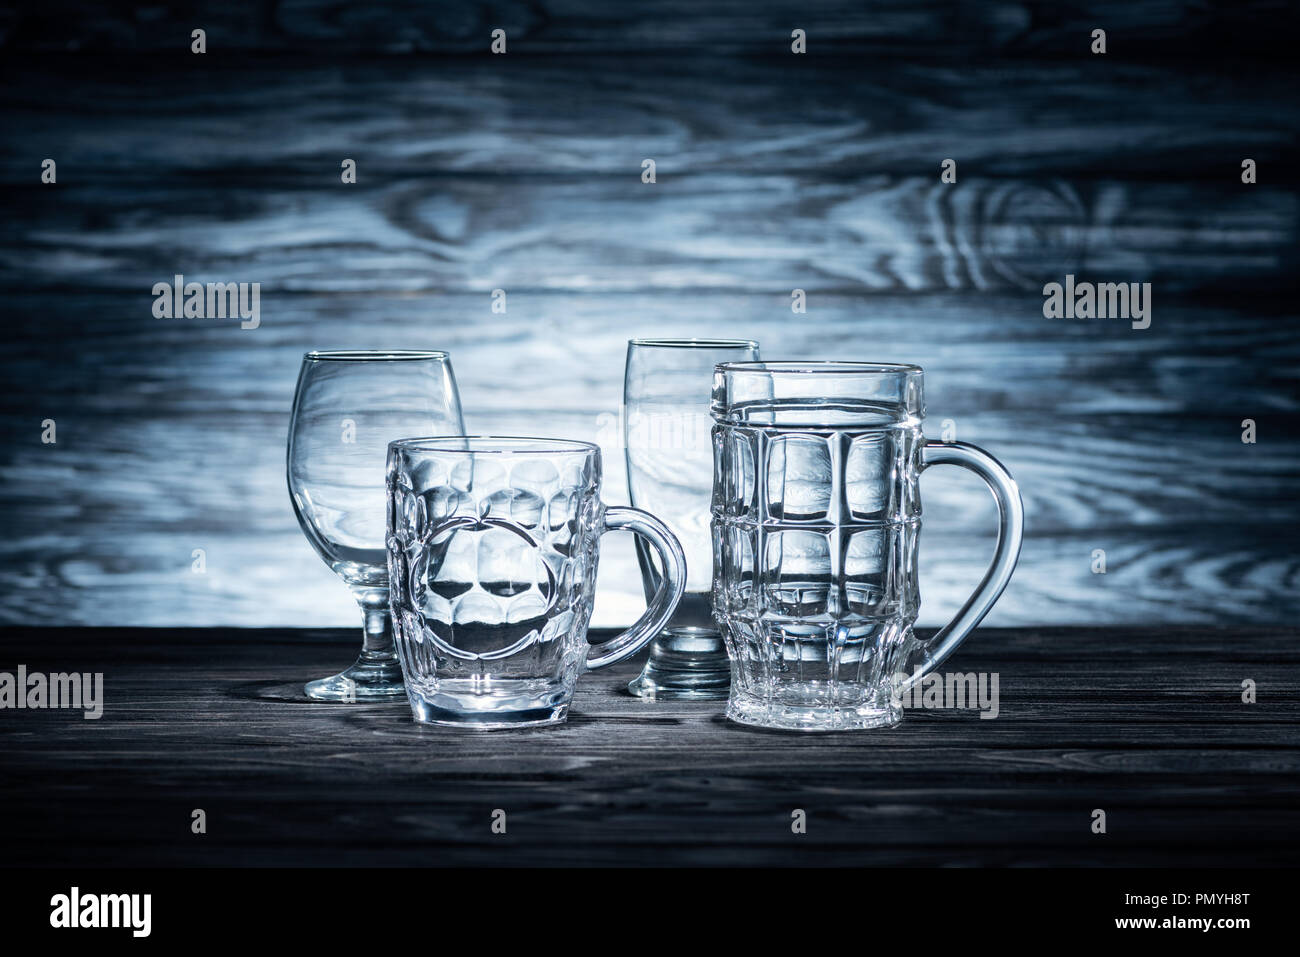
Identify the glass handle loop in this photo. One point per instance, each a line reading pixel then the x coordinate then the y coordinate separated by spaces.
pixel 671 587
pixel 1011 527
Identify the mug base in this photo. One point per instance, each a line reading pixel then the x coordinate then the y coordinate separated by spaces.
pixel 789 716
pixel 451 707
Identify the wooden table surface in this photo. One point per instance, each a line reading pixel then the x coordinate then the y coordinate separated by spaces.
pixel 1145 724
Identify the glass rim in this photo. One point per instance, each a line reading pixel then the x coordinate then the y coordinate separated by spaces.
pixel 492 445
pixel 377 355
pixel 820 366
pixel 663 343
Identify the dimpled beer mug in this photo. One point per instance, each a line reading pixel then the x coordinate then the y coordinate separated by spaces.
pixel 493 545
pixel 816 519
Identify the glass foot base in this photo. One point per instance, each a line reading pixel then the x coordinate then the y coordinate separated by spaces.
pixel 685 665
pixel 372 678
pixel 786 715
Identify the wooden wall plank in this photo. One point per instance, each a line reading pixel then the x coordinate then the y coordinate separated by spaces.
pixel 287 123
pixel 709 232
pixel 894 29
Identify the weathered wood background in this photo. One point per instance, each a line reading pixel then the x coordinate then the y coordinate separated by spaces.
pixel 775 171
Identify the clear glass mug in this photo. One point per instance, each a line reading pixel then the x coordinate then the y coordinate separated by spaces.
pixel 816 519
pixel 493 544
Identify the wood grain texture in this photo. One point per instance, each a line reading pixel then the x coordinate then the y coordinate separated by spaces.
pixel 1147 724
pixel 775 172
pixel 897 28
pixel 705 233
pixel 285 123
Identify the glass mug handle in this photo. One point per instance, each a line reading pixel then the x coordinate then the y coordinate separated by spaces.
pixel 1011 527
pixel 671 587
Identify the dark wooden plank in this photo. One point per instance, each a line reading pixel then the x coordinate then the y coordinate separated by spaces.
pixel 287 123
pixel 897 29
pixel 1200 364
pixel 1151 729
pixel 711 232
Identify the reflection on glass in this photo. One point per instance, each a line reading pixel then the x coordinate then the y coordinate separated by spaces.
pixel 670 474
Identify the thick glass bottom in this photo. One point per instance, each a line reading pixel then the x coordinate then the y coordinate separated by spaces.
pixel 492 705
pixel 686 664
pixel 797 708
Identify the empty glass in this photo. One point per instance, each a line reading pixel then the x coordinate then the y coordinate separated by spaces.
pixel 347 408
pixel 666 429
pixel 816 520
pixel 493 545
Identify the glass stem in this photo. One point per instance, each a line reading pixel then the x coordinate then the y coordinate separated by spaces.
pixel 377 629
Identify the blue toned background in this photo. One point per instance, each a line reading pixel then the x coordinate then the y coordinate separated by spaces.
pixel 774 172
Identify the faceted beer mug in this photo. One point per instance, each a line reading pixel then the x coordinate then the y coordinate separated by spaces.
pixel 816 517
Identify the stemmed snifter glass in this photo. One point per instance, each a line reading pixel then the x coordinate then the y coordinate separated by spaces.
pixel 347 408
